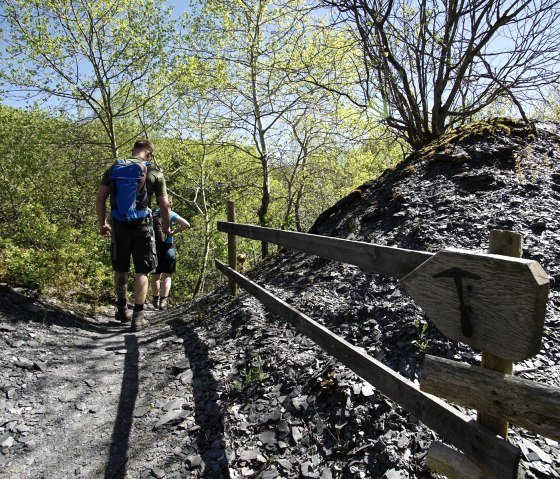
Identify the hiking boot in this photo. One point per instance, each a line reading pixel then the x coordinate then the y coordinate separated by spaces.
pixel 138 321
pixel 123 315
pixel 163 303
pixel 149 306
pixel 155 302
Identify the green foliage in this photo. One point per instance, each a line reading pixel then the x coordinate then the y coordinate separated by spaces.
pixel 24 266
pixel 54 246
pixel 317 146
pixel 104 58
pixel 48 237
pixel 421 341
pixel 71 272
pixel 251 375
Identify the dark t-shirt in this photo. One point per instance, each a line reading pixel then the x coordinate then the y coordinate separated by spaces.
pixel 155 182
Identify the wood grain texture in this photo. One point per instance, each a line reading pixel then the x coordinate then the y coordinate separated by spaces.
pixel 385 260
pixel 451 463
pixel 528 404
pixel 506 298
pixel 492 453
pixel 232 247
pixel 507 243
pixel 496 424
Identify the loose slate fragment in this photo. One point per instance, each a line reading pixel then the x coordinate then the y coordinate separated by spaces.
pixel 40 366
pixel 367 390
pixel 248 454
pixel 297 433
pixel 285 463
pixel 6 441
pixel 140 411
pixel 267 437
pixel 158 473
pixel 174 404
pixel 171 417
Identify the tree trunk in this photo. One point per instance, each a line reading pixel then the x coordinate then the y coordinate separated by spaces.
pixel 199 287
pixel 297 208
pixel 265 202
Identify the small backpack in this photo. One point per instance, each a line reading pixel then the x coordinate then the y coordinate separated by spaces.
pixel 158 227
pixel 129 194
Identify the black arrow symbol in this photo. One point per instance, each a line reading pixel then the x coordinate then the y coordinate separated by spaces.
pixel 458 274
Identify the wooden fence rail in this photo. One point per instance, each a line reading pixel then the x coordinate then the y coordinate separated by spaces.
pixel 494 303
pixel 511 291
pixel 495 455
pixel 528 404
pixel 385 260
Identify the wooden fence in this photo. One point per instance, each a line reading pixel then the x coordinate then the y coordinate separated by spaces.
pixel 494 303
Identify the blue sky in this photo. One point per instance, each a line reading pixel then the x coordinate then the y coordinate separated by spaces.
pixel 178 10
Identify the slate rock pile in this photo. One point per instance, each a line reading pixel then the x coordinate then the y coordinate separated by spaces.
pixel 223 388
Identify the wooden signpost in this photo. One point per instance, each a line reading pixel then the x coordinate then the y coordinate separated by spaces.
pixel 490 302
pixel 507 243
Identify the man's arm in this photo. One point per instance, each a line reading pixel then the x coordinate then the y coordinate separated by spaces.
pixel 100 199
pixel 165 209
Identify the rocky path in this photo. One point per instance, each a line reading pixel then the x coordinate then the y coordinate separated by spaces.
pixel 84 398
pixel 193 397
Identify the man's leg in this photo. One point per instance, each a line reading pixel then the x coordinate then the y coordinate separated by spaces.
pixel 120 285
pixel 145 261
pixel 122 313
pixel 120 259
pixel 140 289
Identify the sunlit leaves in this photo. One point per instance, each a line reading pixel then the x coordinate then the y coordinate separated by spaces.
pixel 111 56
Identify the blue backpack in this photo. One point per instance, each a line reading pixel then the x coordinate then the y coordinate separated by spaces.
pixel 129 194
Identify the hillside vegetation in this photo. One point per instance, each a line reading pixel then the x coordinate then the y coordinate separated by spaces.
pixel 48 232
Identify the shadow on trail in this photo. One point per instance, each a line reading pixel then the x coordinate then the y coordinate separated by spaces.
pixel 208 415
pixel 16 307
pixel 118 453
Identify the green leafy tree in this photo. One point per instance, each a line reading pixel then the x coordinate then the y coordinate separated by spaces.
pixel 274 112
pixel 202 173
pixel 257 36
pixel 439 63
pixel 47 236
pixel 96 59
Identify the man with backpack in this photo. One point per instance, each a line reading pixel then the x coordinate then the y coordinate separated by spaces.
pixel 131 184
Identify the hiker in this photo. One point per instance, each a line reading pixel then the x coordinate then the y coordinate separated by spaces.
pixel 167 262
pixel 130 185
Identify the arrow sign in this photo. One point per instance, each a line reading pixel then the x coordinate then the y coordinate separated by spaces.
pixel 493 303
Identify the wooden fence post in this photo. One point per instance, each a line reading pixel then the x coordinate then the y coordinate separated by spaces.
pixel 451 463
pixel 505 243
pixel 232 247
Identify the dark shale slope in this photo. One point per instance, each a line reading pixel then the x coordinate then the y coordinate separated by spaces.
pixel 494 175
pixel 222 388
